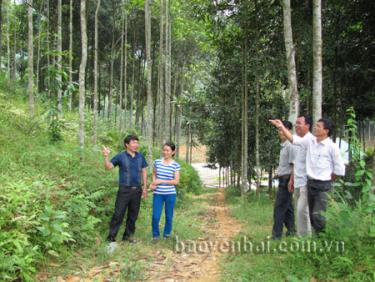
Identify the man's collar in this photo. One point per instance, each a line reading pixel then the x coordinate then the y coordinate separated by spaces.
pixel 126 152
pixel 324 141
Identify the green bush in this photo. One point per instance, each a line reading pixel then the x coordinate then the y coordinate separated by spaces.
pixel 50 200
pixel 189 180
pixel 350 221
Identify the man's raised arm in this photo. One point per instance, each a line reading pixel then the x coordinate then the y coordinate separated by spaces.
pixel 107 164
pixel 279 124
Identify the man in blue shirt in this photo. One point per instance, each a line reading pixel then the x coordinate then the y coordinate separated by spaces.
pixel 132 177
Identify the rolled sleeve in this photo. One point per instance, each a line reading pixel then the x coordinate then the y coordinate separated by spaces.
pixel 300 141
pixel 291 154
pixel 338 163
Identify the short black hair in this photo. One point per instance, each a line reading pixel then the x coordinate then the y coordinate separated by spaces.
pixel 288 124
pixel 308 120
pixel 170 145
pixel 327 124
pixel 130 138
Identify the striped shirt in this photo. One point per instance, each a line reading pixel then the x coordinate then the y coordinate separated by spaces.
pixel 165 172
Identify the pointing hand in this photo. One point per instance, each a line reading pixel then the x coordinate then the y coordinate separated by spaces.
pixel 106 151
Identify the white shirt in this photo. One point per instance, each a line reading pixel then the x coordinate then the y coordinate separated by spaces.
pixel 300 176
pixel 322 159
pixel 286 159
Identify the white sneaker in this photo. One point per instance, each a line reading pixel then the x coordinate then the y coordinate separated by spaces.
pixel 111 247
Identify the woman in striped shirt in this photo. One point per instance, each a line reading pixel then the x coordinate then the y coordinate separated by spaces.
pixel 165 176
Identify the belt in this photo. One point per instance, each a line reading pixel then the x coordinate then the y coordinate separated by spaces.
pixel 286 176
pixel 317 180
pixel 130 187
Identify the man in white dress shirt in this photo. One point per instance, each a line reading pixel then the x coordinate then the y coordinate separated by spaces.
pixel 298 182
pixel 323 164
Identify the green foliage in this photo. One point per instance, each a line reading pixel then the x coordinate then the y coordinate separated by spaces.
pixel 50 201
pixel 55 127
pixel 189 180
pixel 351 221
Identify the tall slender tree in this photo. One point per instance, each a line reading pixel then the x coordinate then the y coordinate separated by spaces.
pixel 244 145
pixel 290 57
pixel 317 60
pixel 126 69
pixel 160 111
pixel 96 74
pixel 70 104
pixel 14 72
pixel 82 72
pixel 8 41
pixel 121 67
pixel 149 111
pixel 168 62
pixel 30 57
pixel 1 30
pixel 59 56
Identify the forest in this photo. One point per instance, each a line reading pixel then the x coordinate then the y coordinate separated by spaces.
pixel 207 75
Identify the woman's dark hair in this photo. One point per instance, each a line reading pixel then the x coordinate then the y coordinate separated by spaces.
pixel 170 145
pixel 130 138
pixel 327 124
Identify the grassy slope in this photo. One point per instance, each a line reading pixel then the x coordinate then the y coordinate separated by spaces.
pixel 44 172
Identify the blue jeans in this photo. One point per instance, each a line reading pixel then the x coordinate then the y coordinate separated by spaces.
pixel 157 208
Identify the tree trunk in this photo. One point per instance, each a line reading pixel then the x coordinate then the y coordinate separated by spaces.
pixel 111 69
pixel 160 116
pixel 133 85
pixel 71 57
pixel 290 57
pixel 48 53
pixel 1 30
pixel 8 42
pixel 14 73
pixel 38 54
pixel 59 56
pixel 257 158
pixel 178 114
pixel 82 70
pixel 244 154
pixel 167 119
pixel 149 112
pixel 317 60
pixel 187 157
pixel 30 57
pixel 95 110
pixel 126 71
pixel 121 66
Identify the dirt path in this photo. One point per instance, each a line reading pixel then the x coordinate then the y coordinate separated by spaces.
pixel 190 260
pixel 199 260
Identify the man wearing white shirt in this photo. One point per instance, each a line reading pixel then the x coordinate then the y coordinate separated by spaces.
pixel 298 183
pixel 323 164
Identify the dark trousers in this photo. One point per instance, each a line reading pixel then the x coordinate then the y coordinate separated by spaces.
pixel 283 212
pixel 317 199
pixel 129 199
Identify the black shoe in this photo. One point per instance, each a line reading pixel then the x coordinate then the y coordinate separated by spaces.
pixel 111 239
pixel 130 240
pixel 290 233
